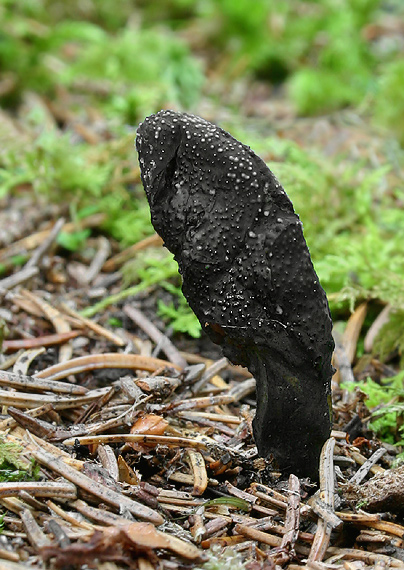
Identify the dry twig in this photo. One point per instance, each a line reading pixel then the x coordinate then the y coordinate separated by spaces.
pixel 322 536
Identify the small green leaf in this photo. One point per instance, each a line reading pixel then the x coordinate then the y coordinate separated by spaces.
pixel 181 318
pixel 114 322
pixel 10 456
pixel 73 241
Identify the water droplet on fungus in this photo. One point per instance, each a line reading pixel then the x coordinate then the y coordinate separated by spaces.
pixel 246 269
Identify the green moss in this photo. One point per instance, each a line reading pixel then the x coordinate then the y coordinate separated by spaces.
pixel 54 166
pixel 389 109
pixel 12 466
pixel 386 417
pixel 73 241
pixel 318 91
pixel 131 73
pixel 178 314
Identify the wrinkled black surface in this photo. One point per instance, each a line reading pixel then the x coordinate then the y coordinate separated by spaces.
pixel 247 275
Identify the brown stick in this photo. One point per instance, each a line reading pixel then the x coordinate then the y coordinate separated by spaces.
pixel 323 533
pixel 156 335
pixel 46 340
pixel 90 485
pixel 292 515
pixel 101 361
pixel 120 258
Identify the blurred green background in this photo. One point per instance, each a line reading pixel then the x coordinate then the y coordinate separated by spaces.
pixel 315 87
pixel 322 54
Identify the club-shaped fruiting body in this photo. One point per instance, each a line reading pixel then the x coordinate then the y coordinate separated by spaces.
pixel 247 275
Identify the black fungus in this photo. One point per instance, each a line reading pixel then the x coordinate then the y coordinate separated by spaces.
pixel 247 275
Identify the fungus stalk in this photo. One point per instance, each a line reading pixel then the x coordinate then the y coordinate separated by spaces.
pixel 247 275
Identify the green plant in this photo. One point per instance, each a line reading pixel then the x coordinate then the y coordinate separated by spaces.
pixel 388 399
pixel 12 262
pixel 318 47
pixel 9 474
pixel 149 270
pixel 178 313
pixel 320 90
pixel 114 322
pixel 73 241
pixel 145 67
pixel 389 109
pixel 13 467
pixel 128 217
pixel 339 67
pixel 55 167
pixel 79 174
pixel 131 73
pixel 155 265
pixel 158 266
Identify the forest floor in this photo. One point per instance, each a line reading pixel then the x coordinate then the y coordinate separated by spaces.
pixel 129 445
pixel 126 439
